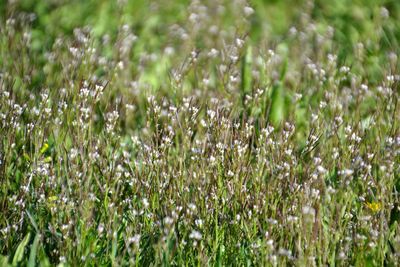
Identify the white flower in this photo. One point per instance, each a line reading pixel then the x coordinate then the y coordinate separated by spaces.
pixel 321 169
pixel 198 222
pixel 134 240
pixel 145 203
pixel 248 11
pixel 307 210
pixel 195 235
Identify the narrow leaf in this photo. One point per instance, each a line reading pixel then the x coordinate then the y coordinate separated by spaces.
pixel 19 253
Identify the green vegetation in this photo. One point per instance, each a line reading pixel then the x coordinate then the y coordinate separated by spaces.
pixel 195 133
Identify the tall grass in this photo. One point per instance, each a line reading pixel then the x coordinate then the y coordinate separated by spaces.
pixel 199 133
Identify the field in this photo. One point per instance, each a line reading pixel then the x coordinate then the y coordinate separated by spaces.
pixel 199 133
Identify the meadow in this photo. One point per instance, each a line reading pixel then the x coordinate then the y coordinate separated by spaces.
pixel 199 133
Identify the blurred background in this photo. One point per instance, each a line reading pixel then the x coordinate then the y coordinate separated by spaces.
pixel 353 20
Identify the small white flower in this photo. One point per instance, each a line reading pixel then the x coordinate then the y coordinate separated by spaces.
pixel 195 235
pixel 134 240
pixel 248 11
pixel 321 169
pixel 145 203
pixel 198 222
pixel 307 210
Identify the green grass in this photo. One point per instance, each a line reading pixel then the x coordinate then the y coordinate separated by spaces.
pixel 195 133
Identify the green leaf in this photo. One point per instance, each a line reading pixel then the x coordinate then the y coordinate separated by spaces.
pixel 246 72
pixel 32 255
pixel 278 105
pixel 44 261
pixel 19 253
pixel 33 222
pixel 26 157
pixel 4 261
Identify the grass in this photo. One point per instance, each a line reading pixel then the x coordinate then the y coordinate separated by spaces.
pixel 183 133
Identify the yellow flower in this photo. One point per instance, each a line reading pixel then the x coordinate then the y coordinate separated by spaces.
pixel 374 206
pixel 44 148
pixel 51 201
pixel 52 198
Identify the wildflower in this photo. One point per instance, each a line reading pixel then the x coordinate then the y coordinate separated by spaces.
pixel 198 222
pixel 374 206
pixel 321 169
pixel 100 228
pixel 307 210
pixel 135 240
pixel 248 11
pixel 384 13
pixel 346 172
pixel 284 252
pixel 145 203
pixel 195 235
pixel 44 148
pixel 213 53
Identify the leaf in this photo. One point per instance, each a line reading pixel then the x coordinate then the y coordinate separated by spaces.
pixel 246 72
pixel 44 261
pixel 366 123
pixel 26 157
pixel 4 261
pixel 19 253
pixel 32 221
pixel 283 51
pixel 32 255
pixel 277 105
